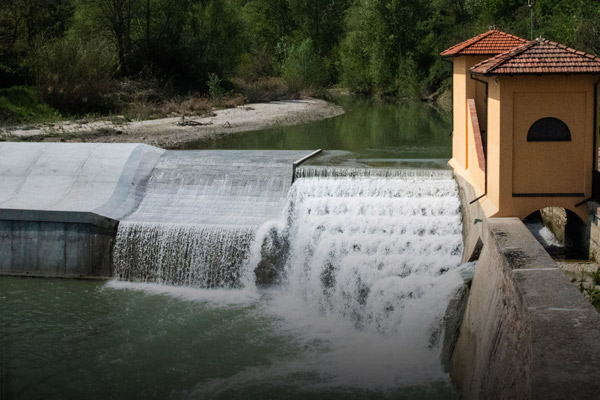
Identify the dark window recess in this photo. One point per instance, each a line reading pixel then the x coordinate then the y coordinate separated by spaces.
pixel 549 130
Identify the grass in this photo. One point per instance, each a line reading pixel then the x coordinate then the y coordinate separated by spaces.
pixel 591 290
pixel 19 104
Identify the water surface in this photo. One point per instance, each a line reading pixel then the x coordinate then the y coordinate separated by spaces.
pixel 302 339
pixel 374 132
pixel 64 339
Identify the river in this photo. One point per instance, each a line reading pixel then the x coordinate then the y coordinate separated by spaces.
pixel 356 313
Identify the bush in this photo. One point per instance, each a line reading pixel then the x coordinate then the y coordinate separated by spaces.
pixel 407 82
pixel 76 77
pixel 302 68
pixel 262 89
pixel 215 90
pixel 19 104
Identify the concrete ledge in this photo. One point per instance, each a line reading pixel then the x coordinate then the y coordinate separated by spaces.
pixel 527 331
pixel 73 217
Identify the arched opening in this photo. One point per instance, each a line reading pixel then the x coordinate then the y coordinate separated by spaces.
pixel 563 233
pixel 549 130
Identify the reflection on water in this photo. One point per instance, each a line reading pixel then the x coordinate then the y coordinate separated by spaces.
pixel 370 129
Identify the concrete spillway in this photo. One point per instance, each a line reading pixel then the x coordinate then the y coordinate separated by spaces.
pixel 199 216
pixel 61 204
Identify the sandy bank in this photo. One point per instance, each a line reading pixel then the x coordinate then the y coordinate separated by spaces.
pixel 177 132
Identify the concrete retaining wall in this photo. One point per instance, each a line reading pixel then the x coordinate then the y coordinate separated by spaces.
pixel 527 332
pixel 58 249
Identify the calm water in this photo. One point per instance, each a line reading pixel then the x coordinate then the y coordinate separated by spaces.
pixel 373 132
pixel 96 340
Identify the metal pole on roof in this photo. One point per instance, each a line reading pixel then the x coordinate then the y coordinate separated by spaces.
pixel 530 5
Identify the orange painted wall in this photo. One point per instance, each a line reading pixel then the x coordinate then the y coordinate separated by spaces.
pixel 476 171
pixel 518 166
pixel 463 88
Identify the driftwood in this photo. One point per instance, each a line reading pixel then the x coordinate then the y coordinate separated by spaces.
pixel 192 123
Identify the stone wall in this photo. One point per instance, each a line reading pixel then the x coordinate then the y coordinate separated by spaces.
pixel 555 218
pixel 474 220
pixel 594 231
pixel 527 332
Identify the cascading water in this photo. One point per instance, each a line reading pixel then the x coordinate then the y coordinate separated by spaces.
pixel 199 215
pixel 368 247
pixel 190 255
pixel 365 262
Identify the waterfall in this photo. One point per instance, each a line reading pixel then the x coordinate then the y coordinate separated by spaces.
pixel 205 256
pixel 198 216
pixel 368 245
pixel 364 264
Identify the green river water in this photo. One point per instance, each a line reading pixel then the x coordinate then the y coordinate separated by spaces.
pixel 63 339
pixel 372 132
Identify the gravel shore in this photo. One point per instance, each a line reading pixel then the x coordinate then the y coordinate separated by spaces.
pixel 177 132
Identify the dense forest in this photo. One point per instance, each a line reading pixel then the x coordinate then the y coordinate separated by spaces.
pixel 82 56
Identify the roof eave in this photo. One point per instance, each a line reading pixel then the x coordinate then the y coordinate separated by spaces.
pixel 491 74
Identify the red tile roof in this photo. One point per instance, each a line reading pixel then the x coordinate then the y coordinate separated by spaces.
pixel 487 44
pixel 539 56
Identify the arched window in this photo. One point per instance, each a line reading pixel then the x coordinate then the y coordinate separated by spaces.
pixel 549 130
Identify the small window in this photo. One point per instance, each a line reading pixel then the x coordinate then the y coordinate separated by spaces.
pixel 549 130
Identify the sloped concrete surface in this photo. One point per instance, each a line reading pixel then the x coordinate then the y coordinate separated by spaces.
pixel 63 177
pixel 60 204
pixel 231 187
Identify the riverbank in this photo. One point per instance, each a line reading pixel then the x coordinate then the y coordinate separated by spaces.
pixel 176 132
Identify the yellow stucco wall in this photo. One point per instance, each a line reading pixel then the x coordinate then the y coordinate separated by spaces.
pixel 517 166
pixel 463 88
pixel 490 202
pixel 475 171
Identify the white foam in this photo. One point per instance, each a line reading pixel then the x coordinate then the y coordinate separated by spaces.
pixel 217 297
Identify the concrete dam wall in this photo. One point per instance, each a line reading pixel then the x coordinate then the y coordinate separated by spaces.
pixel 61 204
pixel 527 332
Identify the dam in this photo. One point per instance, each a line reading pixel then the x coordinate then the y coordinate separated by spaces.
pixel 358 263
pixel 357 273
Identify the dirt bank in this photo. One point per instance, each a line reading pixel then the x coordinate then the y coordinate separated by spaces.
pixel 177 132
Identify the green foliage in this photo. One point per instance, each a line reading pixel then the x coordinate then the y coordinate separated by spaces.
pixel 303 69
pixel 23 23
pixel 592 293
pixel 75 76
pixel 215 90
pixel 19 104
pixel 595 277
pixel 381 44
pixel 80 53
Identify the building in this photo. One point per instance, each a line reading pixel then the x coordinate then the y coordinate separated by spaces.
pixel 524 129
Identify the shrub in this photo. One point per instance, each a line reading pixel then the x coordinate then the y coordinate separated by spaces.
pixel 262 89
pixel 215 90
pixel 302 68
pixel 75 76
pixel 407 82
pixel 19 104
pixel 190 105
